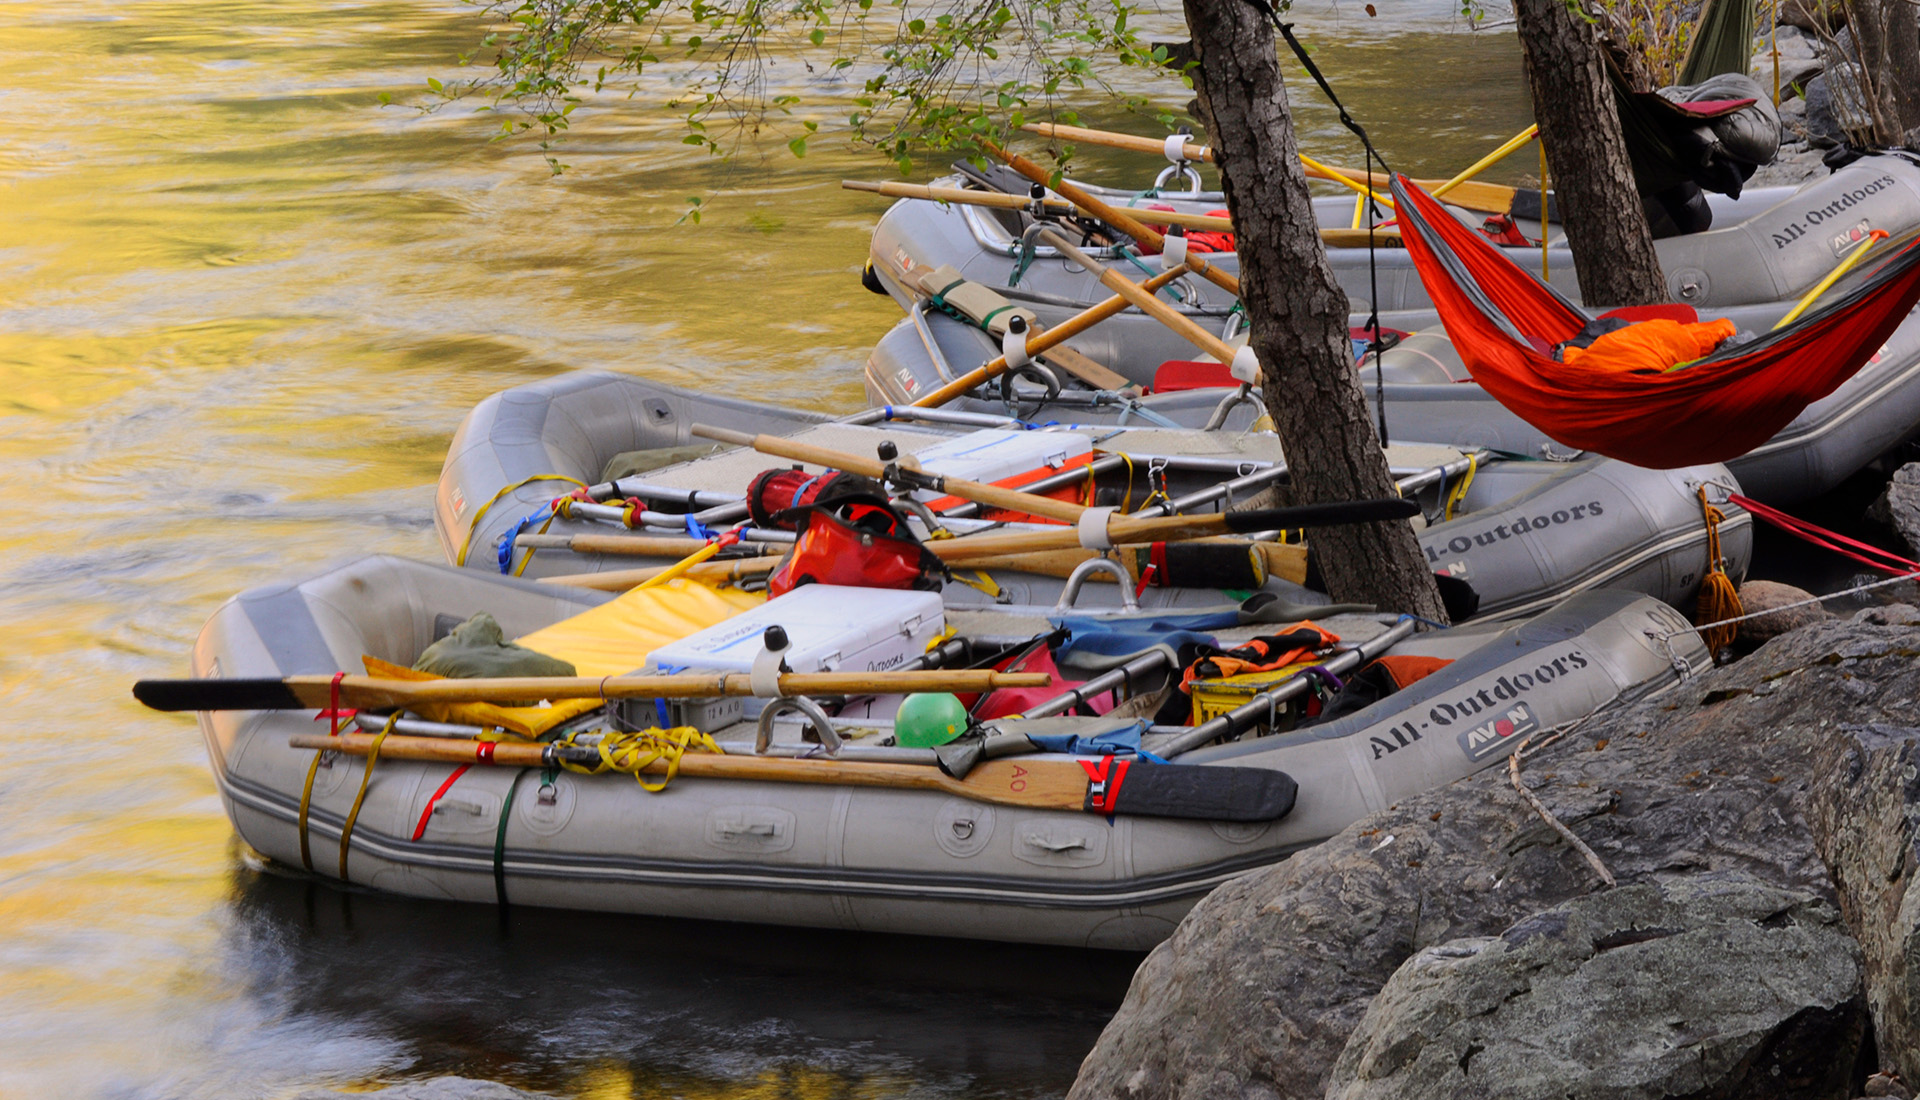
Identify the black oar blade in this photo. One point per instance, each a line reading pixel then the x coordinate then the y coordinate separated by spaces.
pixel 217 695
pixel 1334 514
pixel 1201 793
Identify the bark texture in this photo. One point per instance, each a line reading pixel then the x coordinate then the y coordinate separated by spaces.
pixel 1887 35
pixel 1592 175
pixel 1297 311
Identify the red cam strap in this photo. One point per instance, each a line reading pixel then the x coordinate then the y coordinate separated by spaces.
pixel 1104 777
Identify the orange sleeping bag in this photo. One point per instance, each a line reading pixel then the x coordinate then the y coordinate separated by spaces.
pixel 1657 345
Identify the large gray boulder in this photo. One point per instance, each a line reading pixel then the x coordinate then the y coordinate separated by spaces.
pixel 1709 985
pixel 1258 990
pixel 1898 505
pixel 1864 812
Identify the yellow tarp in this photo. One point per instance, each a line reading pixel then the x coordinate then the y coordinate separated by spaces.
pixel 616 637
pixel 525 721
pixel 608 640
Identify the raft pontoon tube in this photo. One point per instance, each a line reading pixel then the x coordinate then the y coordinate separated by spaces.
pixel 1430 395
pixel 862 858
pixel 1524 534
pixel 1774 244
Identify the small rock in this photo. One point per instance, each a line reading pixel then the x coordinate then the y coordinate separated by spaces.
pixel 1884 1084
pixel 437 1088
pixel 1717 985
pixel 1759 596
pixel 1893 614
pixel 1898 506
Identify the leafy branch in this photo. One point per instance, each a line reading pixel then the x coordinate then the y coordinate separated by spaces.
pixel 931 76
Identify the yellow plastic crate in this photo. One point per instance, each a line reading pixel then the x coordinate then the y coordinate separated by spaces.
pixel 1212 698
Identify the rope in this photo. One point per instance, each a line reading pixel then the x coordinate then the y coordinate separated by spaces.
pixel 1369 159
pixel 1718 597
pixel 467 543
pixel 631 753
pixel 366 778
pixel 1864 553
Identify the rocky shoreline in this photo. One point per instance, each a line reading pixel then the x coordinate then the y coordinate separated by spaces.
pixel 1760 823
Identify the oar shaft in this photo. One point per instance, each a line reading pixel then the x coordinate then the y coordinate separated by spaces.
pixel 1119 219
pixel 1060 785
pixel 1146 302
pixel 1210 223
pixel 1046 340
pixel 711 572
pixel 1489 161
pixel 1258 707
pixel 368 691
pixel 1190 150
pixel 797 451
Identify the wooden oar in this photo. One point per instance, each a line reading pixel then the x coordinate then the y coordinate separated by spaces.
pixel 999 201
pixel 991 495
pixel 301 692
pixel 1285 560
pixel 622 580
pixel 1153 307
pixel 638 546
pixel 1334 238
pixel 1113 530
pixel 1487 198
pixel 1113 216
pixel 1103 785
pixel 1046 340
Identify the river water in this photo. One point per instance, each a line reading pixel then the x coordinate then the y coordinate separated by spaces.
pixel 242 308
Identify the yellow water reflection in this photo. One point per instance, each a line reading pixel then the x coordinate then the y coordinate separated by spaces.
pixel 242 308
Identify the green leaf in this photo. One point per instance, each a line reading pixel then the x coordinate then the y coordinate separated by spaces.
pixel 798 146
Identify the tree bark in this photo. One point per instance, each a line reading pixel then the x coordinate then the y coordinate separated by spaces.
pixel 1297 311
pixel 1592 175
pixel 1886 35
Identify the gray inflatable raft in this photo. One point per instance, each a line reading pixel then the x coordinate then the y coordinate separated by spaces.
pixel 1773 245
pixel 845 857
pixel 1525 534
pixel 1428 391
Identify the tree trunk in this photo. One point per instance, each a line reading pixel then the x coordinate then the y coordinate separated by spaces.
pixel 1297 312
pixel 1592 175
pixel 1886 36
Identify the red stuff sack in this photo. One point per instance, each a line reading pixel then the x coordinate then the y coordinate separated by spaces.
pixel 859 541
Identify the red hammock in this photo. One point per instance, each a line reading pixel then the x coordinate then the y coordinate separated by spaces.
pixel 1504 322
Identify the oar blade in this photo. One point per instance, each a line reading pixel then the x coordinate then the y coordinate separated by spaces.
pixel 1200 793
pixel 179 695
pixel 1332 514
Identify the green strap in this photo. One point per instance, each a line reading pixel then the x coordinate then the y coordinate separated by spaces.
pixel 500 840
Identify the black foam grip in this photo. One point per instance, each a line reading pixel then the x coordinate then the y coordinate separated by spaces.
pixel 1209 565
pixel 176 695
pixel 1204 793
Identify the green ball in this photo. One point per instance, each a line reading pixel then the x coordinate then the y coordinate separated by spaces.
pixel 927 719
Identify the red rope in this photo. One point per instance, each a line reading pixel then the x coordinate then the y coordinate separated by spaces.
pixel 1861 552
pixel 426 815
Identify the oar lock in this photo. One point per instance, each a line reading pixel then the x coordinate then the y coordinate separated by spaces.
pixel 769 663
pixel 902 475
